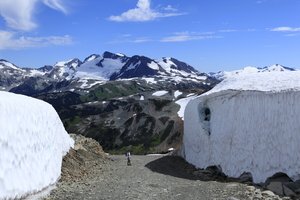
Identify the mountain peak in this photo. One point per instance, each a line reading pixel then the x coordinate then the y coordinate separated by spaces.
pixel 5 63
pixel 91 57
pixel 73 63
pixel 111 55
pixel 277 67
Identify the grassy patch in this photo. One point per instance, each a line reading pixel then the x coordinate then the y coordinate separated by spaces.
pixel 111 90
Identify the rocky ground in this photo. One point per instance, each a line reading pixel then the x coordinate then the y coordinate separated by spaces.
pixel 89 174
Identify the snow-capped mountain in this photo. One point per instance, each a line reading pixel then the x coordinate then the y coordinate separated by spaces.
pixel 12 76
pixel 250 70
pixel 101 67
pixel 96 69
pixel 141 66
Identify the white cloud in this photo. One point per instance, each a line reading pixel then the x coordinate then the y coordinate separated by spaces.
pixel 18 14
pixel 189 36
pixel 56 5
pixel 286 29
pixel 10 40
pixel 141 40
pixel 143 12
pixel 170 8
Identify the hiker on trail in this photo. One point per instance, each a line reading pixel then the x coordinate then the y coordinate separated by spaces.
pixel 128 158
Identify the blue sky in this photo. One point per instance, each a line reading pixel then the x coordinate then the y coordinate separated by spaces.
pixel 211 35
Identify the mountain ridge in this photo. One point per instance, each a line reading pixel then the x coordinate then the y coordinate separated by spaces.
pixel 96 69
pixel 221 75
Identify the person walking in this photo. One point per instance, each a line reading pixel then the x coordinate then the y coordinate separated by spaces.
pixel 128 158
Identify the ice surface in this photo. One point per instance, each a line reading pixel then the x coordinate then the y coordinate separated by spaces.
pixel 248 123
pixel 32 144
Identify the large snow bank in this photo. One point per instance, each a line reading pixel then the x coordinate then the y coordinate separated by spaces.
pixel 32 144
pixel 247 124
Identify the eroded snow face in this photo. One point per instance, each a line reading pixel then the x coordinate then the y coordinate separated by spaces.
pixel 245 131
pixel 32 144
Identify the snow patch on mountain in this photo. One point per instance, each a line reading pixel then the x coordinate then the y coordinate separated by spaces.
pixel 150 80
pixel 32 143
pixel 91 58
pixel 153 65
pixel 160 93
pixel 166 64
pixel 177 93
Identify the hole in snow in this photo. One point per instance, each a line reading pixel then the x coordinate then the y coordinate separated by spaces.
pixel 206 114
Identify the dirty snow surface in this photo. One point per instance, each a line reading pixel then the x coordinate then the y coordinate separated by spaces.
pixel 32 144
pixel 247 123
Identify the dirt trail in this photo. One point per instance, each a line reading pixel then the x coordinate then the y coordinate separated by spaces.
pixel 149 177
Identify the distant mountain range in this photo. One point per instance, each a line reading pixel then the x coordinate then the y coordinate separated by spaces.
pixel 250 70
pixel 76 75
pixel 82 76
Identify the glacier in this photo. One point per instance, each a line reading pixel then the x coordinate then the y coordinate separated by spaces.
pixel 32 143
pixel 247 123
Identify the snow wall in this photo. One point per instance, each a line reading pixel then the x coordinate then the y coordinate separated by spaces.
pixel 244 131
pixel 32 144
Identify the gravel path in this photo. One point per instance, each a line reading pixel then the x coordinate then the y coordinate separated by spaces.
pixel 150 177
